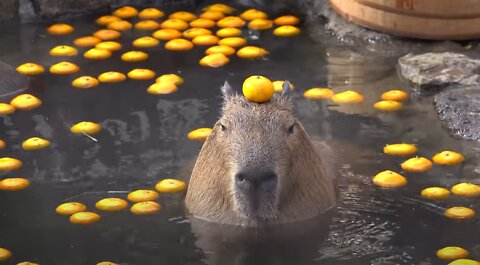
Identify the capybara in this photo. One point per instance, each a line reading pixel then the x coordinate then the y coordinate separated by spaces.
pixel 258 166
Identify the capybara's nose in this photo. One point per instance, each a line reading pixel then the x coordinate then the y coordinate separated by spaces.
pixel 248 181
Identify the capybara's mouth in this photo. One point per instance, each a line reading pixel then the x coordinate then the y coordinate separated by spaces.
pixel 258 206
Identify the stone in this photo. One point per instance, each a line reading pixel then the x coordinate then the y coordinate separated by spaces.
pixel 319 12
pixel 26 11
pixel 8 10
pixel 59 8
pixel 11 82
pixel 459 109
pixel 439 70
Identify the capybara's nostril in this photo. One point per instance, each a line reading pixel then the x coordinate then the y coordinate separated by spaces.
pixel 253 180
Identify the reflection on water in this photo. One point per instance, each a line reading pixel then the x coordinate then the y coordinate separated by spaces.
pixel 295 243
pixel 144 140
pixel 370 76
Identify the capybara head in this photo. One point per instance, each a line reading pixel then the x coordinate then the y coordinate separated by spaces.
pixel 258 166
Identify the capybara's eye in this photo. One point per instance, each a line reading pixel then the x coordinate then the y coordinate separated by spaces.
pixel 223 127
pixel 290 129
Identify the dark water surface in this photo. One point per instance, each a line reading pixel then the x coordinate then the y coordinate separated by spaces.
pixel 144 140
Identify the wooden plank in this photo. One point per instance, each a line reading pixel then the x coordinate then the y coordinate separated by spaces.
pixel 459 9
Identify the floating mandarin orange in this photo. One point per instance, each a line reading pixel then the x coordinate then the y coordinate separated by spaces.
pixel 287 20
pixel 167 34
pixel 251 52
pixel 105 20
pixel 212 15
pixel 126 12
pixel 30 69
pixel 435 193
pixel 120 25
pixel 14 184
pixel 348 96
pixel 260 24
pixel 26 102
pixel 417 164
pixel 141 74
pixel 5 254
pixel 170 186
pixel 142 195
pixel 147 25
pixel 234 42
pixel 318 93
pixel 205 40
pixel 278 86
pixel 286 31
pixel 112 77
pixel 9 164
pixel 145 42
pixel 388 105
pixel 107 263
pixel 111 204
pixel 134 56
pixel 199 134
pixel 229 32
pixel 97 54
pixel 226 50
pixel 448 158
pixel 27 263
pixel 252 14
pixel 6 109
pixel 60 29
pixel 223 8
pixel 84 218
pixel 151 13
pixel 460 213
pixel 389 179
pixel 183 15
pixel 452 253
pixel 173 78
pixel 397 95
pixel 91 41
pixel 466 189
pixel 162 88
pixel 214 60
pixel 202 23
pixel 2 144
pixel 106 34
pixel 63 50
pixel 179 45
pixel 111 46
pixel 400 149
pixel 230 22
pixel 70 208
pixel 174 24
pixel 464 262
pixel 145 208
pixel 64 68
pixel 86 127
pixel 258 89
pixel 194 32
pixel 85 82
pixel 35 143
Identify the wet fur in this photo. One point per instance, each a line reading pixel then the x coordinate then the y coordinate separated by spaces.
pixel 304 188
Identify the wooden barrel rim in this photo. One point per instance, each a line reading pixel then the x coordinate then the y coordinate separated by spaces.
pixel 405 33
pixel 415 13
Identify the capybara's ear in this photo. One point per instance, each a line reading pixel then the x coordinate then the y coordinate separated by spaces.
pixel 227 91
pixel 287 89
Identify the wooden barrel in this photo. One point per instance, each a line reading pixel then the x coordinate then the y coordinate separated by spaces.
pixel 423 19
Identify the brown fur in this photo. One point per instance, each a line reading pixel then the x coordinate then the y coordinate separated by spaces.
pixel 258 136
